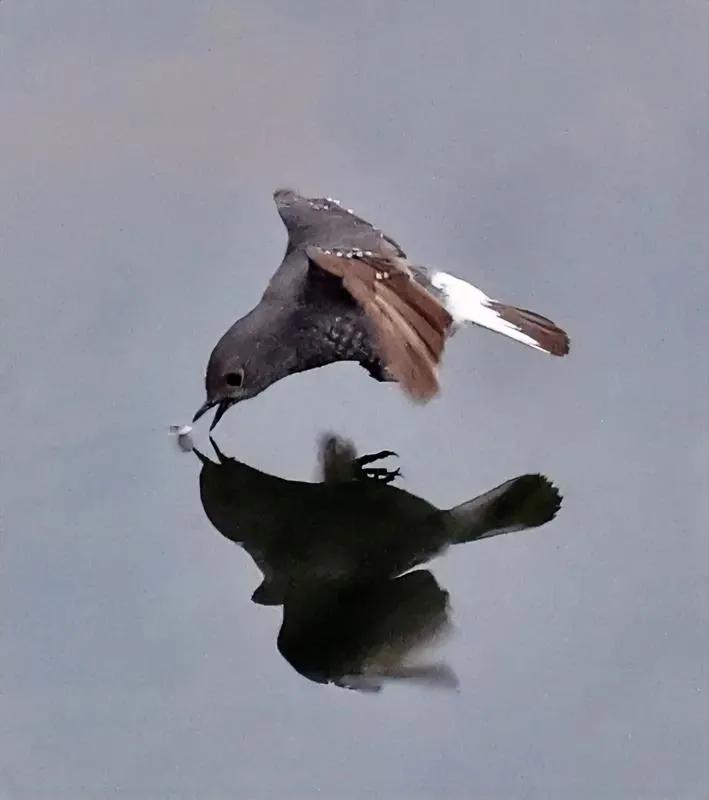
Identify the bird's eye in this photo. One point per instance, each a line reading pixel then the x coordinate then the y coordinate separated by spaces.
pixel 234 378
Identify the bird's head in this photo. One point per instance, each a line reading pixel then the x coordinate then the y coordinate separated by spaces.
pixel 226 386
pixel 241 366
pixel 228 381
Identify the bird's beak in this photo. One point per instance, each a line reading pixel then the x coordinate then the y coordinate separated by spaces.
pixel 201 457
pixel 221 408
pixel 204 408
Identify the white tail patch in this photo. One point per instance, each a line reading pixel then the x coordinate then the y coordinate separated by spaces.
pixel 466 303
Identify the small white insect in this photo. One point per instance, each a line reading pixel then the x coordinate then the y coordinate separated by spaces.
pixel 184 440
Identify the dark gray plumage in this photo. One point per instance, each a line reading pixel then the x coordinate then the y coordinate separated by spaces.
pixel 333 554
pixel 345 291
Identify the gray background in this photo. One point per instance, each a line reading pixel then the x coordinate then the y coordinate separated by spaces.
pixel 553 152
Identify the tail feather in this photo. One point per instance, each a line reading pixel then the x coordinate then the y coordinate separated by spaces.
pixel 525 502
pixel 542 331
pixel 467 303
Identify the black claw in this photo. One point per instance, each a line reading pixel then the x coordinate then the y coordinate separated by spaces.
pixel 368 459
pixel 381 474
pixel 378 474
pixel 391 476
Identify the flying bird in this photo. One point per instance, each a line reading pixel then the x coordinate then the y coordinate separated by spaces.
pixel 338 555
pixel 346 291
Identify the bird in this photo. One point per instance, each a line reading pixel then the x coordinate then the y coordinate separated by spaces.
pixel 342 555
pixel 346 291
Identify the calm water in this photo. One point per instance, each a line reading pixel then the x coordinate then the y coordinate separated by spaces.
pixel 557 157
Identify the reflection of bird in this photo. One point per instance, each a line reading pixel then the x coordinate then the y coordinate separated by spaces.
pixel 357 635
pixel 334 554
pixel 345 291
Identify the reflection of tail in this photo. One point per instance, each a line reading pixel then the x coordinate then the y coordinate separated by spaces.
pixel 433 676
pixel 466 303
pixel 524 502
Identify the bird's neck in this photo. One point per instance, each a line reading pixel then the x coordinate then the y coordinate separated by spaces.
pixel 238 498
pixel 289 338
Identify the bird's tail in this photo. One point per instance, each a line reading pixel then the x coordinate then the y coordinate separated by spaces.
pixel 524 502
pixel 467 303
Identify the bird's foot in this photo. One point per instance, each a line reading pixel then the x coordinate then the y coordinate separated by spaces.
pixel 364 472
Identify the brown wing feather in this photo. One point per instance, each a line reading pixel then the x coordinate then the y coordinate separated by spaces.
pixel 406 354
pixel 409 324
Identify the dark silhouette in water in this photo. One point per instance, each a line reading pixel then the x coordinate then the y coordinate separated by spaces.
pixel 337 555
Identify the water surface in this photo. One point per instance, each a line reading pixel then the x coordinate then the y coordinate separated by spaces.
pixel 556 157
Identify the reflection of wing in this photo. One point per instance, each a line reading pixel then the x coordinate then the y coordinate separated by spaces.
pixel 337 459
pixel 359 635
pixel 409 324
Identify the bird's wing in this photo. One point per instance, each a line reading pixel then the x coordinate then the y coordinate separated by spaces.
pixel 409 324
pixel 335 209
pixel 309 218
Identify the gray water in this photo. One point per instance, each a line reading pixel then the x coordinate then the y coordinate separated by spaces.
pixel 556 155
